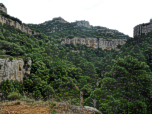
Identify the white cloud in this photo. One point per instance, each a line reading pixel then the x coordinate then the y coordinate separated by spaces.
pixel 121 15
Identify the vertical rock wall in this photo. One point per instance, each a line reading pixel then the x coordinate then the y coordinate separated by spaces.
pixel 94 43
pixel 142 29
pixel 13 70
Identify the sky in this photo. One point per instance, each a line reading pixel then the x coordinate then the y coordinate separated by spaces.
pixel 121 15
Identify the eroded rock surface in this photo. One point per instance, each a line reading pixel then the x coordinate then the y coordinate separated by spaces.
pixel 14 69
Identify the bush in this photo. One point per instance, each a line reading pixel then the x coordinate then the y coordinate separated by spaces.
pixel 2 52
pixel 17 103
pixel 83 36
pixel 70 36
pixel 14 96
pixel 28 66
pixel 10 59
pixel 7 87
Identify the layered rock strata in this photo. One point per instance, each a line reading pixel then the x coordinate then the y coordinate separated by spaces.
pixel 94 43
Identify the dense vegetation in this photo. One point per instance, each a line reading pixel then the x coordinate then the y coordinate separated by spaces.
pixel 65 29
pixel 118 82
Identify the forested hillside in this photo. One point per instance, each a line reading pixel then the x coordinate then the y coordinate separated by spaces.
pixel 119 81
pixel 59 30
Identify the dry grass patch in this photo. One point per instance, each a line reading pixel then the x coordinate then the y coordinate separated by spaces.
pixel 30 106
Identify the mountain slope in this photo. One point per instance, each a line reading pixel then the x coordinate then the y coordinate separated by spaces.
pixel 59 28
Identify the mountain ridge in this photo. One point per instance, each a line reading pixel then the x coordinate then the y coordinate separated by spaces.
pixel 59 24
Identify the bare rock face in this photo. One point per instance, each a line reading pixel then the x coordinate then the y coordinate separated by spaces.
pixel 92 109
pixel 144 28
pixel 3 8
pixel 14 69
pixel 82 23
pixel 95 42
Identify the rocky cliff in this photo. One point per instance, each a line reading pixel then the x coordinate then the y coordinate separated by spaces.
pixel 142 29
pixel 94 43
pixel 14 69
pixel 82 23
pixel 5 20
pixel 3 8
pixel 56 19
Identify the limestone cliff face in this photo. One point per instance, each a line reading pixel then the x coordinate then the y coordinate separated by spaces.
pixel 13 70
pixel 82 23
pixel 142 29
pixel 105 30
pixel 3 8
pixel 59 19
pixel 94 43
pixel 4 20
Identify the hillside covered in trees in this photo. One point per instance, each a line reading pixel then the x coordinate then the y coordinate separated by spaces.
pixel 59 28
pixel 119 81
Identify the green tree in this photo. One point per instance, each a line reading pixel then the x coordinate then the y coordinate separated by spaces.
pixel 37 94
pixel 137 53
pixel 28 84
pixel 7 87
pixel 99 98
pixel 108 68
pixel 2 52
pixel 119 46
pixel 70 36
pixel 1 36
pixel 133 82
pixel 87 89
pixel 36 81
pixel 49 91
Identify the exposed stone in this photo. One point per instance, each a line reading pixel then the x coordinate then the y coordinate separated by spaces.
pixel 142 29
pixel 93 42
pixel 59 19
pixel 3 8
pixel 82 23
pixel 92 109
pixel 13 70
pixel 14 23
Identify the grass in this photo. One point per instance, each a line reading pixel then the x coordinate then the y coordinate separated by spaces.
pixel 28 105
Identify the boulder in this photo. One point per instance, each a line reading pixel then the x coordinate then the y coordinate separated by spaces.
pixel 90 108
pixel 93 109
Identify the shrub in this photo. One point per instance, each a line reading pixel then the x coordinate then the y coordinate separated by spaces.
pixel 28 66
pixel 16 103
pixel 2 52
pixel 14 96
pixel 10 59
pixel 70 36
pixel 7 87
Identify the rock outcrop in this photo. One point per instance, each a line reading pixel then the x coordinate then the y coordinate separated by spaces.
pixel 56 19
pixel 89 109
pixel 94 43
pixel 59 19
pixel 14 69
pixel 82 23
pixel 142 29
pixel 17 25
pixel 106 30
pixel 3 8
pixel 92 109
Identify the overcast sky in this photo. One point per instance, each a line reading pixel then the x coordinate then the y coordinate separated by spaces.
pixel 121 15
